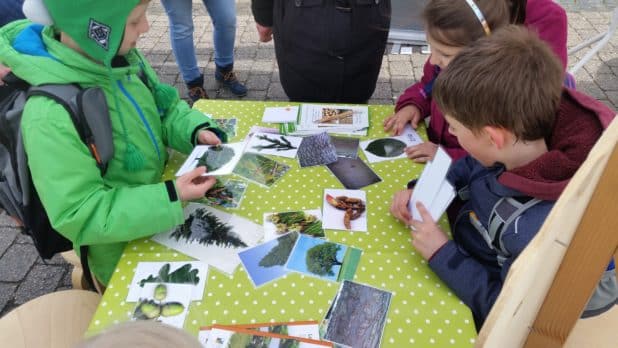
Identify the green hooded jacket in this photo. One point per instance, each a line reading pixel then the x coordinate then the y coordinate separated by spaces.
pixel 88 209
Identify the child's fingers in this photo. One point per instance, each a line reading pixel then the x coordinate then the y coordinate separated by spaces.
pixel 425 215
pixel 193 174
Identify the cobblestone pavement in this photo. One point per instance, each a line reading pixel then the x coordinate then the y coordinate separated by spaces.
pixel 23 275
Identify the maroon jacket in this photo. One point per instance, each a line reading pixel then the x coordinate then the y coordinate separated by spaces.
pixel 545 17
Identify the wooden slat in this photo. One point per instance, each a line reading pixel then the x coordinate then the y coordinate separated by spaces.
pixel 586 258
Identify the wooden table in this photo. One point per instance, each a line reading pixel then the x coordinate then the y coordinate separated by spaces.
pixel 423 311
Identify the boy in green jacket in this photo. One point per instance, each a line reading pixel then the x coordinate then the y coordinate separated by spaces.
pixel 92 44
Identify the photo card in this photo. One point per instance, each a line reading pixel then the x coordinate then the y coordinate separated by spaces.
pixel 353 173
pixel 218 159
pixel 307 222
pixel 227 125
pixel 344 210
pixel 345 146
pixel 225 193
pixel 260 169
pixel 212 236
pixel 390 148
pixel 164 302
pixel 316 150
pixel 194 273
pixel 274 144
pixel 323 259
pixel 266 262
pixel 357 315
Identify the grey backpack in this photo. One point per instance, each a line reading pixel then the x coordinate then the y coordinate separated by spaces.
pixel 18 197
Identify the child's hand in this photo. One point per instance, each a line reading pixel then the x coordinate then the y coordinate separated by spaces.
pixel 427 237
pixel 395 123
pixel 193 185
pixel 422 153
pixel 399 207
pixel 206 137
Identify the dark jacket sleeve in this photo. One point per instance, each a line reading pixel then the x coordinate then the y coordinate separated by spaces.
pixel 263 12
pixel 419 94
pixel 477 284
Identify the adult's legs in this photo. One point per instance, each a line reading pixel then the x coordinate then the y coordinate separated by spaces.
pixel 223 16
pixel 180 17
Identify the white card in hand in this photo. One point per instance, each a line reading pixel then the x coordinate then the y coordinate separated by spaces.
pixel 223 158
pixel 429 187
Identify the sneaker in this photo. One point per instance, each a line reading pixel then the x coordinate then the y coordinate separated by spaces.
pixel 227 78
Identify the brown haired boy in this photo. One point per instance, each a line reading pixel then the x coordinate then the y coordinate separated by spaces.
pixel 526 136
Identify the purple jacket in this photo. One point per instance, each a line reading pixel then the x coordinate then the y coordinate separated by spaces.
pixel 466 263
pixel 545 17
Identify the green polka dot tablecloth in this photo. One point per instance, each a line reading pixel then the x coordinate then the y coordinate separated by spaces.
pixel 423 311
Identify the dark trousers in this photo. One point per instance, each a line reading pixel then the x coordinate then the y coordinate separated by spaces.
pixel 330 50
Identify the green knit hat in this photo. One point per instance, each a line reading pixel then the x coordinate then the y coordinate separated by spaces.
pixel 96 26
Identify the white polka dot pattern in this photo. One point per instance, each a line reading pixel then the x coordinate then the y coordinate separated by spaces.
pixel 423 311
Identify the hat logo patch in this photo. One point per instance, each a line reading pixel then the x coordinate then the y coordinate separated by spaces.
pixel 100 33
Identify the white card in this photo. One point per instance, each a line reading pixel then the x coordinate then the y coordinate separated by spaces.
pixel 429 184
pixel 281 114
pixel 274 144
pixel 146 271
pixel 176 294
pixel 333 217
pixel 232 150
pixel 390 148
pixel 218 248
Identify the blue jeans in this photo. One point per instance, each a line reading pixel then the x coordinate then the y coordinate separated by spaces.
pixel 223 16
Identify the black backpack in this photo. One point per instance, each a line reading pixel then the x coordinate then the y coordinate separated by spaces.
pixel 18 197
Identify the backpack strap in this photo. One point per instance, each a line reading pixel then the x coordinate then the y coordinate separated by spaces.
pixel 89 112
pixel 502 215
pixel 90 115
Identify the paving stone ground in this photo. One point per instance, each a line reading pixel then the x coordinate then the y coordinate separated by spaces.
pixel 24 276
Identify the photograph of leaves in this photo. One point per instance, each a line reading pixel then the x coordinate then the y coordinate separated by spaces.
pixel 260 169
pixel 207 229
pixel 296 221
pixel 281 144
pixel 227 194
pixel 182 275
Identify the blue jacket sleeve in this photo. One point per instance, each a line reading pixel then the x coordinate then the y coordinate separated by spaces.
pixel 475 282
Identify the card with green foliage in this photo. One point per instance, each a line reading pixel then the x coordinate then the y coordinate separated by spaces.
pixel 194 273
pixel 323 259
pixel 228 125
pixel 212 236
pixel 225 193
pixel 307 222
pixel 167 303
pixel 218 159
pixel 260 169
